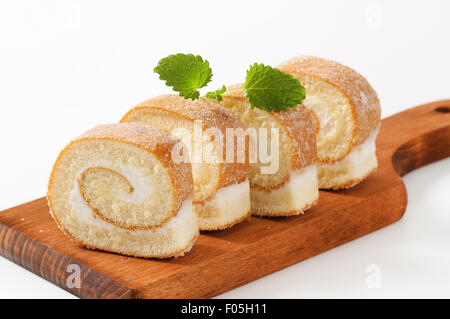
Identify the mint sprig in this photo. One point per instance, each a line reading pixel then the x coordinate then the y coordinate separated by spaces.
pixel 186 73
pixel 265 87
pixel 217 94
pixel 271 89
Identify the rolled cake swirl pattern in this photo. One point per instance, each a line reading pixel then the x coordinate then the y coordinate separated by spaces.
pixel 221 188
pixel 116 188
pixel 348 113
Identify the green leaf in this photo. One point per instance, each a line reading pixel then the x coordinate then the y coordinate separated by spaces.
pixel 217 94
pixel 186 73
pixel 271 89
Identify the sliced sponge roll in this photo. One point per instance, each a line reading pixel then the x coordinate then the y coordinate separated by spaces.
pixel 348 112
pixel 115 188
pixel 290 185
pixel 221 187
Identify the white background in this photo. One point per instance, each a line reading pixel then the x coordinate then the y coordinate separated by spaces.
pixel 68 65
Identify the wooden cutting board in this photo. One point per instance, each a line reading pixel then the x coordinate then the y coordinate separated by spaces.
pixel 223 260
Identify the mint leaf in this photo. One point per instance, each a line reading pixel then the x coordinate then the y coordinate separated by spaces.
pixel 271 89
pixel 217 94
pixel 186 73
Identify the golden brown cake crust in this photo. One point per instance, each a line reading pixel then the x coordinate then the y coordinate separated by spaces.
pixel 299 124
pixel 290 213
pixel 178 253
pixel 363 98
pixel 230 224
pixel 212 115
pixel 351 183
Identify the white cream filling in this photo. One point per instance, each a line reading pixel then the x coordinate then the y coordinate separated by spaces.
pixel 303 186
pixel 297 194
pixel 230 202
pixel 365 149
pixel 327 122
pixel 361 160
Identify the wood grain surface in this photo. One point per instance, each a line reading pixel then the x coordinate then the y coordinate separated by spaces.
pixel 223 260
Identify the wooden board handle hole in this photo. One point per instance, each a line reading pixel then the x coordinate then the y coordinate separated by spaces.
pixel 442 109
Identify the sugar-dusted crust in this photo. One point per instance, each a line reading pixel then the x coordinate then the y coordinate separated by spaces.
pixel 230 224
pixel 212 115
pixel 156 141
pixel 353 182
pixel 363 98
pixel 290 213
pixel 299 124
